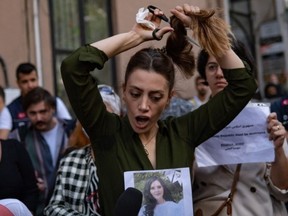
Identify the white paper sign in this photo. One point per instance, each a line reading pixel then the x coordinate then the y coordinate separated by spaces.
pixel 173 186
pixel 244 140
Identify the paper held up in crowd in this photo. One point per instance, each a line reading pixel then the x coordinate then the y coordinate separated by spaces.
pixel 244 140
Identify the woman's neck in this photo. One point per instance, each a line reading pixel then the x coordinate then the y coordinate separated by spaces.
pixel 147 137
pixel 161 201
pixel 149 144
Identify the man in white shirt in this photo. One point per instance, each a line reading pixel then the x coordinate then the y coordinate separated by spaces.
pixel 45 138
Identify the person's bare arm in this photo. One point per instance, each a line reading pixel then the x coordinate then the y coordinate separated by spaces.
pixel 121 42
pixel 279 169
pixel 4 133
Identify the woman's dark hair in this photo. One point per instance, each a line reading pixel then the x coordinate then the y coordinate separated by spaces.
pixel 152 59
pixel 149 201
pixel 178 51
pixel 211 32
pixel 179 48
pixel 202 60
pixel 238 47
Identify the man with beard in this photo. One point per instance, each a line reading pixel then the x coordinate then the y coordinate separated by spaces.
pixel 45 139
pixel 27 79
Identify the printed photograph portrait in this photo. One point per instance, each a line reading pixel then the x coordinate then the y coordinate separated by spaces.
pixel 165 192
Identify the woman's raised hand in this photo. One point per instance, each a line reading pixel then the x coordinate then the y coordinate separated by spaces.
pixel 185 14
pixel 147 33
pixel 276 130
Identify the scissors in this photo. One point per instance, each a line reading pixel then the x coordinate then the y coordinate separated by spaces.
pixel 152 8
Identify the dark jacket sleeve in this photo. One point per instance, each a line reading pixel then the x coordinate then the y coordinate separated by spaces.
pixel 30 189
pixel 220 110
pixel 83 92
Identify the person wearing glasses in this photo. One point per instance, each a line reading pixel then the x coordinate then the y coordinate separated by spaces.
pixel 140 141
pixel 244 189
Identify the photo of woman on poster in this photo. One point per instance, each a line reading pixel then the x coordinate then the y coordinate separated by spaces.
pixel 158 199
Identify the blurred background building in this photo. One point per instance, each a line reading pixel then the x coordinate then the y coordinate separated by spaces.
pixel 44 32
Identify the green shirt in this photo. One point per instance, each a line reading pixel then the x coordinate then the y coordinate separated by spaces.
pixel 118 148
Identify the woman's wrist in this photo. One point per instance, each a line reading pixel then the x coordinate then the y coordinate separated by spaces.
pixel 279 154
pixel 118 43
pixel 135 38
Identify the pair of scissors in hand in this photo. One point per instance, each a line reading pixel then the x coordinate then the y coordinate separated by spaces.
pixel 152 8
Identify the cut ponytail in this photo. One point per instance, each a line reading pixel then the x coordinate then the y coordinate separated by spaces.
pixel 179 49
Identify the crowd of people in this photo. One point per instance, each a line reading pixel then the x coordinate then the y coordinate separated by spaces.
pixel 54 164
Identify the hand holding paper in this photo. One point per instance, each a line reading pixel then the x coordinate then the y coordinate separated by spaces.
pixel 244 140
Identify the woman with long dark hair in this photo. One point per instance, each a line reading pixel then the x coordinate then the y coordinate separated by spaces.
pixel 158 199
pixel 140 140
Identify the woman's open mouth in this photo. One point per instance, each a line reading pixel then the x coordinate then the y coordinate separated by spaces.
pixel 142 121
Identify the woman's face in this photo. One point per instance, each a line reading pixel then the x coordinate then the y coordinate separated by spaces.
pixel 146 95
pixel 214 76
pixel 157 190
